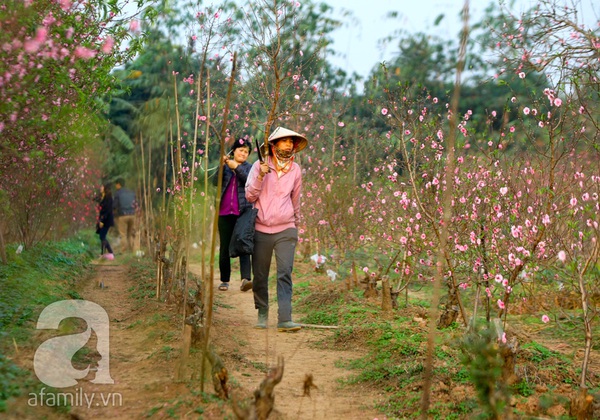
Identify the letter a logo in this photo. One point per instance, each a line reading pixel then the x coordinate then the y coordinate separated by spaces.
pixel 52 359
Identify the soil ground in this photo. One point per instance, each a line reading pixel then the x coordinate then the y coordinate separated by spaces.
pixel 145 348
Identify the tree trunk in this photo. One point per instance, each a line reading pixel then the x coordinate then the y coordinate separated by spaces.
pixel 450 313
pixel 509 352
pixel 386 296
pixel 582 407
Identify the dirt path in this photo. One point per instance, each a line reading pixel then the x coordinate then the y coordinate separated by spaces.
pixel 237 339
pixel 143 378
pixel 145 348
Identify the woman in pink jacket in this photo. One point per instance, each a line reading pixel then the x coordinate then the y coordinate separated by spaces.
pixel 274 187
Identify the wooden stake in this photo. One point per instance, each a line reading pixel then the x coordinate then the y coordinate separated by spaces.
pixel 185 351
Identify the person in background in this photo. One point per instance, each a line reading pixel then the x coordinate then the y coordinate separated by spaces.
pixel 124 205
pixel 105 220
pixel 274 188
pixel 233 202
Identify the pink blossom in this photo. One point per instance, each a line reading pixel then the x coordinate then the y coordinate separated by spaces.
pixel 562 256
pixel 108 45
pixel 384 111
pixel 526 110
pixel 31 46
pixel 500 304
pixel 545 319
pixel 65 4
pixel 134 26
pixel 557 102
pixel 84 53
pixel 522 75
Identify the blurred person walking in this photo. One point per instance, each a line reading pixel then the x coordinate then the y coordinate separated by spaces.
pixel 105 220
pixel 125 205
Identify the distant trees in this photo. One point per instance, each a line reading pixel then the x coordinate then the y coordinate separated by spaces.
pixel 55 63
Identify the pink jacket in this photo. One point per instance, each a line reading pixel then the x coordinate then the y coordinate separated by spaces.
pixel 276 198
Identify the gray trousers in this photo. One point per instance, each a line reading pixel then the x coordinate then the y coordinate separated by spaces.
pixel 284 246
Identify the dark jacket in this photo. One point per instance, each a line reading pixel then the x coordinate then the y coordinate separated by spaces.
pixel 105 213
pixel 124 202
pixel 241 173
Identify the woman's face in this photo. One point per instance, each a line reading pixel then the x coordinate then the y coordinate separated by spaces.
pixel 102 189
pixel 240 155
pixel 286 144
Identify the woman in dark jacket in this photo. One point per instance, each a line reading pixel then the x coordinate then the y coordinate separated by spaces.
pixel 233 202
pixel 105 219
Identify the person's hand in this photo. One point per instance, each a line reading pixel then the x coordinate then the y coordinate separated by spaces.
pixel 264 169
pixel 232 164
pixel 101 224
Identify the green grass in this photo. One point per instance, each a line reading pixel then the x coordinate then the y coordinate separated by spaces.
pixel 11 377
pixel 29 282
pixel 35 278
pixel 539 353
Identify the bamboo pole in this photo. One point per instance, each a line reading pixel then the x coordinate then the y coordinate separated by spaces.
pixel 149 209
pixel 210 285
pixel 187 329
pixel 177 263
pixel 206 148
pixel 163 222
pixel 143 189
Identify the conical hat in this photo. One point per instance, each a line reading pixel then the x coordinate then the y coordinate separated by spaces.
pixel 300 141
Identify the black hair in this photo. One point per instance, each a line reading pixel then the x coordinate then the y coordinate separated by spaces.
pixel 242 142
pixel 107 190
